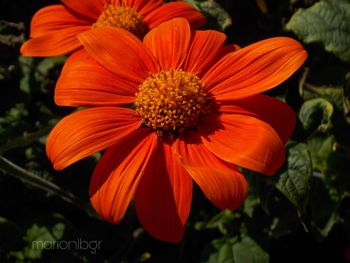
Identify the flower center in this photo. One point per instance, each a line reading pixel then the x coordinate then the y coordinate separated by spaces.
pixel 171 101
pixel 123 17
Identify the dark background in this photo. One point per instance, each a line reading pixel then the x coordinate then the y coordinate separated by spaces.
pixel 30 210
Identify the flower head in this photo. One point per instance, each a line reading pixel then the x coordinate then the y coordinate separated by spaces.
pixel 194 113
pixel 54 29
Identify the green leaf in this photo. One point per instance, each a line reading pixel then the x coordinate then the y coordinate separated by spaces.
pixel 327 22
pixel 48 64
pixel 224 255
pixel 249 205
pixel 294 182
pixel 246 250
pixel 38 73
pixel 35 235
pixel 316 114
pixel 320 147
pixel 220 220
pixel 40 237
pixel 27 65
pixel 218 18
pixel 333 94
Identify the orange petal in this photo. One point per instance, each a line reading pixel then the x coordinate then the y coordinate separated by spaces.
pixel 56 43
pixel 203 51
pixel 169 42
pixel 143 7
pixel 54 18
pixel 118 173
pixel 213 56
pixel 88 131
pixel 172 10
pixel 164 195
pixel 119 51
pixel 244 141
pixel 227 49
pixel 255 68
pixel 268 109
pixel 89 8
pixel 84 82
pixel 221 182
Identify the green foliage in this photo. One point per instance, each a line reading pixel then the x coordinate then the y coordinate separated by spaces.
pixel 316 114
pixel 218 18
pixel 334 95
pixel 12 120
pixel 327 22
pixel 37 234
pixel 221 220
pixel 45 235
pixel 294 182
pixel 321 147
pixel 234 250
pixel 14 39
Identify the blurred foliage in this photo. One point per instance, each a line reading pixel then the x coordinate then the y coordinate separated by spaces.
pixel 302 214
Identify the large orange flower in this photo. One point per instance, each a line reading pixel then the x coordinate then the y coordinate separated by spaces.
pixel 194 112
pixel 54 28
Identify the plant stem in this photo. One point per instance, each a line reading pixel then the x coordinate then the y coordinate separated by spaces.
pixel 39 182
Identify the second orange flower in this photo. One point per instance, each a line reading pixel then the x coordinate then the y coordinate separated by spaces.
pixel 54 29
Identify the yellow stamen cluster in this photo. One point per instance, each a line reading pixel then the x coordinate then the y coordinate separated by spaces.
pixel 171 101
pixel 124 17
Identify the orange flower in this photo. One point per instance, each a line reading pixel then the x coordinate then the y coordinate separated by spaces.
pixel 54 29
pixel 194 112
